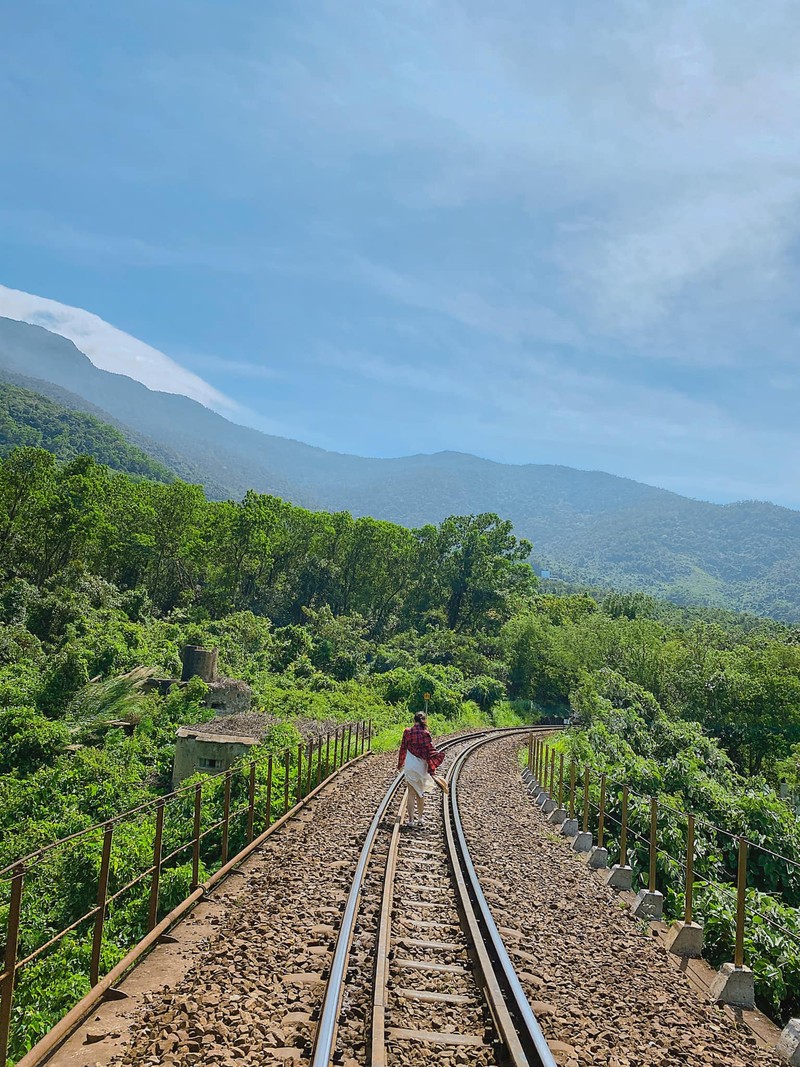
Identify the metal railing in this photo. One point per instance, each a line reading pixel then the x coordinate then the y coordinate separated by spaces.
pixel 615 800
pixel 187 832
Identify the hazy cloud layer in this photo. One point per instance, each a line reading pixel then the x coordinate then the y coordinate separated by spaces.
pixel 111 349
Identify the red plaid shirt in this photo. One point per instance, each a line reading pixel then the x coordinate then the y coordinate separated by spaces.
pixel 418 741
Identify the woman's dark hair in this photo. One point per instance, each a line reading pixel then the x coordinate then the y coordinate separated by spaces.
pixel 420 718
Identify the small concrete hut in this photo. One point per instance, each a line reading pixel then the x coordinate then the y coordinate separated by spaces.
pixel 215 746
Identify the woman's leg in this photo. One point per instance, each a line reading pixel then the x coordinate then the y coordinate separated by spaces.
pixel 420 802
pixel 411 803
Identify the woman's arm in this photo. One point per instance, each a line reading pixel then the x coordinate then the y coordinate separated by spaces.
pixel 434 758
pixel 401 757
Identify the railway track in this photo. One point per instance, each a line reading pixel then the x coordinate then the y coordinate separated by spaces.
pixel 443 986
pixel 354 941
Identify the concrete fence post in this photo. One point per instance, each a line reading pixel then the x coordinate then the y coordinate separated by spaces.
pixel 734 982
pixel 583 840
pixel 685 938
pixel 598 857
pixel 649 903
pixel 621 875
pixel 569 827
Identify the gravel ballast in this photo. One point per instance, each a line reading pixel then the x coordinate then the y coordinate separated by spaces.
pixel 603 990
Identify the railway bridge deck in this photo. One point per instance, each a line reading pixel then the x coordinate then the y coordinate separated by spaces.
pixel 244 979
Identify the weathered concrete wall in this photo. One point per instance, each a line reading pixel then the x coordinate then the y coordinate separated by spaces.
pixel 210 753
pixel 229 697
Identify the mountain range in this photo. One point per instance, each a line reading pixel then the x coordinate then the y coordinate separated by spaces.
pixel 586 526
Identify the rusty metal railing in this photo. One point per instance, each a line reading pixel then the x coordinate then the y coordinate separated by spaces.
pixel 217 824
pixel 650 807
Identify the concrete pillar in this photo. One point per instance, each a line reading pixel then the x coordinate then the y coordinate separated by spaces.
pixel 569 827
pixel 549 806
pixel 649 905
pixel 598 857
pixel 583 842
pixel 789 1043
pixel 535 790
pixel 199 663
pixel 685 939
pixel 620 877
pixel 557 816
pixel 734 986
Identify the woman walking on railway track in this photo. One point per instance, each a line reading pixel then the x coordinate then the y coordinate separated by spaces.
pixel 419 759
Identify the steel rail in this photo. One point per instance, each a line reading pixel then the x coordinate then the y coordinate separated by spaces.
pixel 380 992
pixel 516 1023
pixel 325 1037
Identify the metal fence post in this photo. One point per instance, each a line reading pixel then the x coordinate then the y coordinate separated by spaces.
pixel 651 883
pixel 623 834
pixel 268 821
pixel 741 888
pixel 561 780
pixel 152 914
pixel 585 799
pixel 687 911
pixel 530 751
pixel 601 816
pixel 551 790
pixel 10 960
pixel 287 756
pixel 335 746
pixel 328 755
pixel 298 793
pixel 251 801
pixel 572 789
pixel 319 762
pixel 102 895
pixel 198 801
pixel 226 818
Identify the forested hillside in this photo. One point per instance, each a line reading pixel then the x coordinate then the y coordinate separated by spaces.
pixel 586 526
pixel 28 419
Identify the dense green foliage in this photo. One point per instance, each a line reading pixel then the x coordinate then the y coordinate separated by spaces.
pixel 28 419
pixel 626 735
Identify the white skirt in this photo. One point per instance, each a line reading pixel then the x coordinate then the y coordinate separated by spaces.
pixel 416 771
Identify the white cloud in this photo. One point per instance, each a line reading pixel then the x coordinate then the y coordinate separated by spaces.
pixel 671 131
pixel 513 318
pixel 111 349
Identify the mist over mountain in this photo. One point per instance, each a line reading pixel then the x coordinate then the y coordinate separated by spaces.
pixel 586 526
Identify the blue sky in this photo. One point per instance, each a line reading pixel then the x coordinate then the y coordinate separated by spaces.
pixel 552 233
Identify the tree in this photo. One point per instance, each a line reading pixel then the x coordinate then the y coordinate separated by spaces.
pixel 480 571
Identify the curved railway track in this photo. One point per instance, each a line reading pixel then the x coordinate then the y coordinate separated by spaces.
pixel 444 986
pixel 442 989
